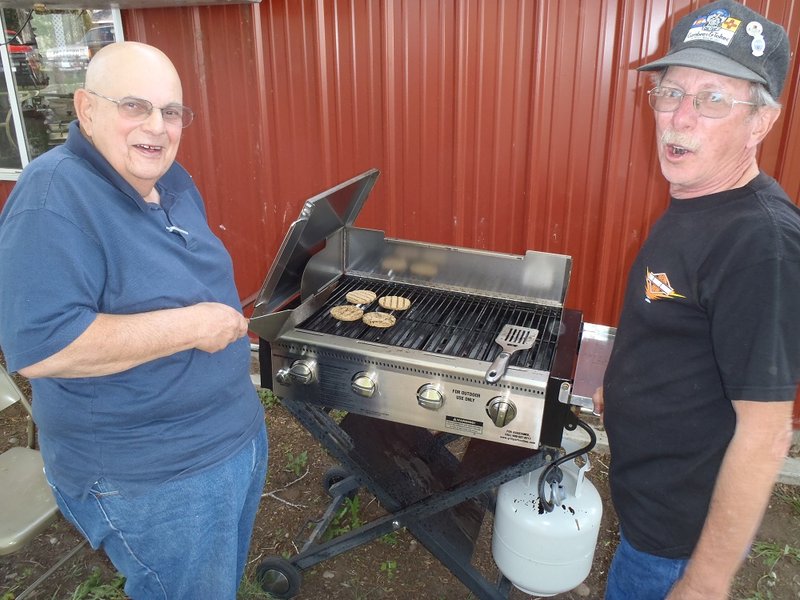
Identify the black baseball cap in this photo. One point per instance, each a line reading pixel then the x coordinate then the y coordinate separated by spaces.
pixel 730 39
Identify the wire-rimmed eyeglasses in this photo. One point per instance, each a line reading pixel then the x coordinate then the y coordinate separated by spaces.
pixel 138 109
pixel 714 105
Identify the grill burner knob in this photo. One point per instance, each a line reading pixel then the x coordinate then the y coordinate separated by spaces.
pixel 282 376
pixel 501 411
pixel 301 372
pixel 363 384
pixel 429 396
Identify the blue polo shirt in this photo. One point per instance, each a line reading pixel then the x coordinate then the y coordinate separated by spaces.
pixel 77 240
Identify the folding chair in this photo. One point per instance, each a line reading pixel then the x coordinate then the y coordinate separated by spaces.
pixel 27 505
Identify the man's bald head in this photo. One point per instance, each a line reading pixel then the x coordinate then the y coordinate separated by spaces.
pixel 124 63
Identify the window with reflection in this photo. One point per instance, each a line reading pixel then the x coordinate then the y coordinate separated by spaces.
pixel 47 53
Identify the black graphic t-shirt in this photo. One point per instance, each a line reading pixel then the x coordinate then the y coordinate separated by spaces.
pixel 711 315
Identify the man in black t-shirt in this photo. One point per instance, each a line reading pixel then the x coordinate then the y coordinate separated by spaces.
pixel 697 397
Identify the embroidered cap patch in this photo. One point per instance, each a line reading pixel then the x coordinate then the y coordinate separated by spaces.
pixel 717 26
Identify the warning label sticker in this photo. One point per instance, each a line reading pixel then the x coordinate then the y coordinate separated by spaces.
pixel 463 425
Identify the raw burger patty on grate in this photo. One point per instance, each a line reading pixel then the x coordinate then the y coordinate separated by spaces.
pixel 394 302
pixel 379 319
pixel 347 312
pixel 361 297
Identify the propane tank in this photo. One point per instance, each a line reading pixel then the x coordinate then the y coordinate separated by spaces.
pixel 547 553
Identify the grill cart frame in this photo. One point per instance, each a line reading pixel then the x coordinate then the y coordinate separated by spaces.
pixel 440 498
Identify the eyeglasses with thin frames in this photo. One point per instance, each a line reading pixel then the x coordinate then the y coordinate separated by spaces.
pixel 138 109
pixel 714 105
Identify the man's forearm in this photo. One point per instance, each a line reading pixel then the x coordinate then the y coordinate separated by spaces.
pixel 741 494
pixel 115 343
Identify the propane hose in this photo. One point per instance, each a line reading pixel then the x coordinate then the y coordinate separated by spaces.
pixel 549 505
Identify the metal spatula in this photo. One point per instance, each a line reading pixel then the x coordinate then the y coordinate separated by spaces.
pixel 511 339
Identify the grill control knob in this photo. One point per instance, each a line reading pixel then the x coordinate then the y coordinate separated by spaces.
pixel 429 396
pixel 282 376
pixel 301 372
pixel 363 384
pixel 501 411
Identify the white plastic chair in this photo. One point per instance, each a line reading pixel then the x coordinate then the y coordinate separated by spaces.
pixel 27 505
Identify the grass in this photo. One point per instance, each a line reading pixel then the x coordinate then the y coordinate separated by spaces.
pixel 347 519
pixel 391 539
pixel 16 583
pixel 250 590
pixel 94 588
pixel 337 414
pixel 771 554
pixel 769 586
pixel 268 398
pixel 296 464
pixel 389 567
pixel 792 498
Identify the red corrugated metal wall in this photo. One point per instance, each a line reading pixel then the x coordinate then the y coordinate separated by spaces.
pixel 504 125
pixel 499 124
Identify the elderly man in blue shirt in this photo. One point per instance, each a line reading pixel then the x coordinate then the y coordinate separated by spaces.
pixel 119 304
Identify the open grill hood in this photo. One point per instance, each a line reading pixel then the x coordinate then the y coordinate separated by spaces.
pixel 322 245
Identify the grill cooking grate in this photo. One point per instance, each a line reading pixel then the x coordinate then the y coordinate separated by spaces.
pixel 443 322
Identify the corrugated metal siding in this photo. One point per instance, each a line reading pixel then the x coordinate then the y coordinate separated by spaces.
pixel 5 190
pixel 506 125
pixel 498 124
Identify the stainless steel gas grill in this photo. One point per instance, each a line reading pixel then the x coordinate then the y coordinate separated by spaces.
pixel 483 351
pixel 431 367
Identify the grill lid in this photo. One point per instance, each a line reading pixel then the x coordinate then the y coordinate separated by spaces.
pixel 321 216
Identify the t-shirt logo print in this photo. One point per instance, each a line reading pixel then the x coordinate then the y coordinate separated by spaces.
pixel 657 287
pixel 717 26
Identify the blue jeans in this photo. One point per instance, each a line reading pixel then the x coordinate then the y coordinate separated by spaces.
pixel 636 575
pixel 187 538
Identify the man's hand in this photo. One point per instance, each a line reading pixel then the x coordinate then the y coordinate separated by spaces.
pixel 599 402
pixel 220 325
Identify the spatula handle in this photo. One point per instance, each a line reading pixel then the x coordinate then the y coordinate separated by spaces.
pixel 498 367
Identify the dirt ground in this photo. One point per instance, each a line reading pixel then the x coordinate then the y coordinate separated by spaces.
pixel 395 566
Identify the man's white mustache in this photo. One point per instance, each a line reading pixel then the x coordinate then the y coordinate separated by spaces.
pixel 673 138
